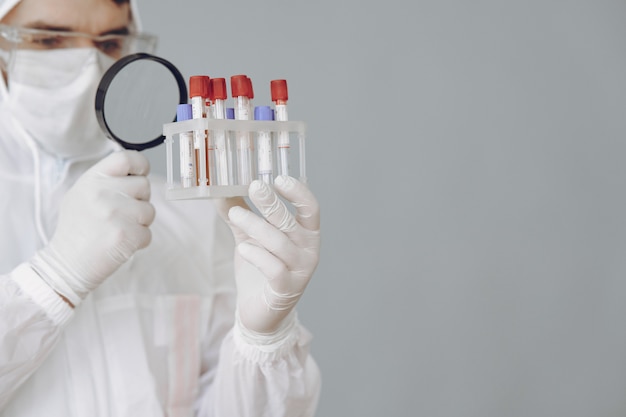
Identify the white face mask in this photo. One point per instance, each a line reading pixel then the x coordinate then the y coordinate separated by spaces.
pixel 51 94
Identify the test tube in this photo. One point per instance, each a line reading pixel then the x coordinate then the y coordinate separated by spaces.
pixel 218 96
pixel 264 146
pixel 210 137
pixel 187 157
pixel 198 92
pixel 208 101
pixel 280 97
pixel 240 89
pixel 232 176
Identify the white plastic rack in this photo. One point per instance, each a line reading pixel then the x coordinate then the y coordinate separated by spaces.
pixel 229 185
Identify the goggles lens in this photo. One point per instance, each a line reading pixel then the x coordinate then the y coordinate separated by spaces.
pixel 115 45
pixel 19 48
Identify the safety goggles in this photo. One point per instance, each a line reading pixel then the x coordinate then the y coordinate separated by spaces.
pixel 113 45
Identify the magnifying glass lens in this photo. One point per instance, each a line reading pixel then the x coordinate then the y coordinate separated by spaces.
pixel 136 97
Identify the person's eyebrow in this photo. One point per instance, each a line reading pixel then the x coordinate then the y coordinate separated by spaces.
pixel 122 30
pixel 119 31
pixel 47 26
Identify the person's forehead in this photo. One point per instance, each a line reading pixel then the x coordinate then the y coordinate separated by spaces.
pixel 89 16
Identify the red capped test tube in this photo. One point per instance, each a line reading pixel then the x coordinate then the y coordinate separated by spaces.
pixel 198 92
pixel 240 87
pixel 279 97
pixel 223 153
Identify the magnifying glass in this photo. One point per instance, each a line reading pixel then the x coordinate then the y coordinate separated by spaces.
pixel 136 96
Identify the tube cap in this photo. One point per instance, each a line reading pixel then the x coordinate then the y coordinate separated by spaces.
pixel 250 89
pixel 218 89
pixel 279 90
pixel 239 86
pixel 209 93
pixel 198 86
pixel 183 112
pixel 230 113
pixel 263 113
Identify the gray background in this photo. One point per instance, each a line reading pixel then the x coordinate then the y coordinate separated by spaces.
pixel 469 161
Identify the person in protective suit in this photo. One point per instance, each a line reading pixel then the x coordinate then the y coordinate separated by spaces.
pixel 113 301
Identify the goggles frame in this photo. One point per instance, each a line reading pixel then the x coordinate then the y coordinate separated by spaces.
pixel 114 45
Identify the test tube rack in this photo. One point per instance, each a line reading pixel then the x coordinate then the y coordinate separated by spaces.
pixel 230 129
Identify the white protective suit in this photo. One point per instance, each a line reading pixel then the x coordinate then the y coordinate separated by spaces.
pixel 157 338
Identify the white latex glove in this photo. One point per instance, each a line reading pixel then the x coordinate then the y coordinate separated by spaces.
pixel 103 220
pixel 276 255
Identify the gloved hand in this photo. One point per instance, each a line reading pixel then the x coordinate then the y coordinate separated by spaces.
pixel 103 220
pixel 276 255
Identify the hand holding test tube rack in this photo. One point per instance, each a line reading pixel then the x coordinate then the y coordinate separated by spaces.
pixel 213 151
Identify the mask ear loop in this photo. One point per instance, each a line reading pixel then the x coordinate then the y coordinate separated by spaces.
pixel 4 70
pixel 37 187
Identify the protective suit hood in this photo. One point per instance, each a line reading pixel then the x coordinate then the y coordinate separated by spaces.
pixel 25 161
pixel 7 5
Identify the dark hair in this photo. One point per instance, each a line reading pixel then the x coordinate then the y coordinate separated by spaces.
pixel 120 1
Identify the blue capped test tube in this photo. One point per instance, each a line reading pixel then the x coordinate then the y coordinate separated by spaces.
pixel 265 162
pixel 187 149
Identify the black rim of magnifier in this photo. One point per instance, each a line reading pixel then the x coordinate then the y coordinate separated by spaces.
pixel 105 82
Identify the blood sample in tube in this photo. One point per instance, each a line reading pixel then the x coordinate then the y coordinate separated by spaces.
pixel 198 93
